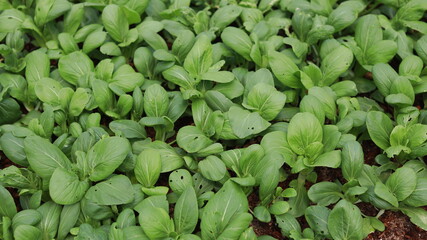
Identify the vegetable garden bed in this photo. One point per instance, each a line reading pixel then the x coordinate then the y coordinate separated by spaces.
pixel 219 119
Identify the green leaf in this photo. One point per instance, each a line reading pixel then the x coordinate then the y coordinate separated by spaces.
pixel 78 102
pixel 418 197
pixel 128 129
pixel 26 217
pixel 48 90
pixel 156 101
pixel 212 168
pixel 304 129
pixel 199 59
pixel 404 86
pixel 327 98
pixel 180 180
pixel 9 110
pixel 156 223
pixel 379 127
pixel 148 167
pixel 110 48
pixel 134 233
pixel 302 22
pixel 115 191
pixel 368 32
pixel 8 207
pixel 68 219
pixel 203 117
pixel 245 123
pixel 102 95
pixel 251 157
pixel 224 16
pixel 237 40
pixel 421 48
pixel 93 41
pixel 86 231
pixel 418 216
pixel 73 18
pixel 182 44
pixel 66 188
pixel 228 203
pixel 179 76
pixel 50 212
pixel 325 193
pixel 345 222
pixel 279 207
pixel 381 52
pixel 186 212
pixel 262 214
pixel 13 148
pixel 192 139
pixel 330 159
pixel 11 20
pixel 126 78
pixel 317 218
pixel 411 65
pixel 16 84
pixel 266 100
pixel 335 64
pixel 237 225
pixel 287 223
pixel 299 48
pixel 115 22
pixel 345 14
pixel 345 88
pixel 47 10
pixel 67 42
pixel 23 232
pixel 284 69
pixel 171 160
pixel 37 67
pixel 384 75
pixel 402 182
pixel 107 155
pixel 219 77
pixel 44 157
pixel 352 160
pixel 383 192
pixel 74 66
pixel 276 142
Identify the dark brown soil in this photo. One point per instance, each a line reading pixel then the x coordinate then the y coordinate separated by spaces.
pixel 367 209
pixel 329 174
pixel 261 228
pixel 398 227
pixel 151 133
pixel 370 151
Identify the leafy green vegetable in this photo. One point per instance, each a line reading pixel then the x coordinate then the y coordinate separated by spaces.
pixel 185 119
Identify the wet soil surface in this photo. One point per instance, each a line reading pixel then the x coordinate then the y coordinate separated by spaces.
pixel 398 227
